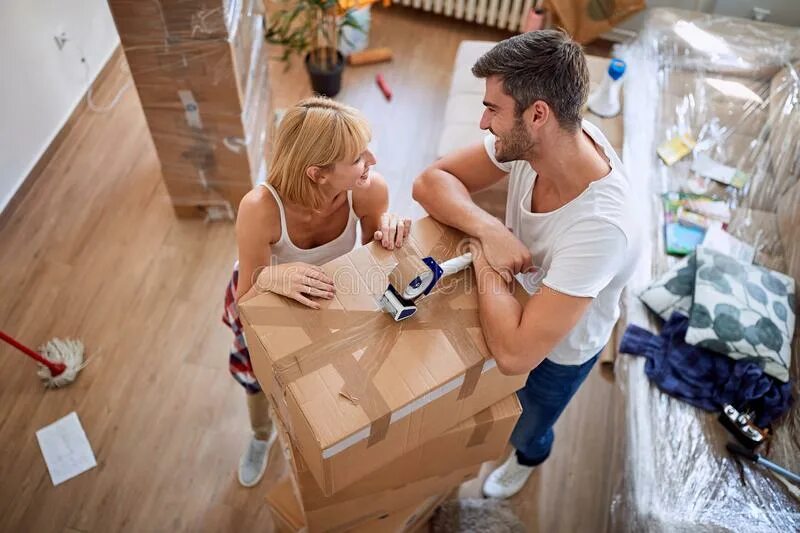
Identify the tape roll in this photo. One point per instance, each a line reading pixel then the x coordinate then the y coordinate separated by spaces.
pixel 407 269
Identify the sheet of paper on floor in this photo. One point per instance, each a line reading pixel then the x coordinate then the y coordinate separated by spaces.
pixel 65 448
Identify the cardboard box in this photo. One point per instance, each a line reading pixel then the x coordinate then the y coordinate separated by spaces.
pixel 448 460
pixel 359 389
pixel 173 22
pixel 201 72
pixel 153 23
pixel 220 75
pixel 369 508
pixel 201 151
pixel 289 518
pixel 472 442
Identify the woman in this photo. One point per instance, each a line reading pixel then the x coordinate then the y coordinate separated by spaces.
pixel 320 188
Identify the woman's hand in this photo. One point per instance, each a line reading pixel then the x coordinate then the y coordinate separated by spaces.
pixel 394 231
pixel 297 281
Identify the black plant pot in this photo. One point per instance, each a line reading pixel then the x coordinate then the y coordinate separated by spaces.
pixel 326 81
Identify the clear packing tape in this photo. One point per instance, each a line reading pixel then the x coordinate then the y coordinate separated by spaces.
pixel 733 86
pixel 202 77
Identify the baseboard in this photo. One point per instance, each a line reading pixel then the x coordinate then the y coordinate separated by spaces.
pixel 116 57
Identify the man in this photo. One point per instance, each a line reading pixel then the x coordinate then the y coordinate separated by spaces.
pixel 571 231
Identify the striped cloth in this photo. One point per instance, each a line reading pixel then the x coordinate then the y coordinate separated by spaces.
pixel 239 365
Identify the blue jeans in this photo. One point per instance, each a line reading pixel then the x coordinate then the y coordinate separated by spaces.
pixel 547 392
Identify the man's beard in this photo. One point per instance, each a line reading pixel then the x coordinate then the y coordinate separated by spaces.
pixel 515 145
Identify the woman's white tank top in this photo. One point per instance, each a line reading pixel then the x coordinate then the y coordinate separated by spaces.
pixel 285 251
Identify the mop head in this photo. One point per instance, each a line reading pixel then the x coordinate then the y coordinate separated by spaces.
pixel 67 351
pixel 470 514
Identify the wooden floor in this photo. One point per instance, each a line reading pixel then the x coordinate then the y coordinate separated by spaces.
pixel 92 250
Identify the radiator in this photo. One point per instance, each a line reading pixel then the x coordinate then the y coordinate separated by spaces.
pixel 504 14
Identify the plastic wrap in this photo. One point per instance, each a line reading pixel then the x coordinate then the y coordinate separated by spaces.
pixel 201 70
pixel 733 85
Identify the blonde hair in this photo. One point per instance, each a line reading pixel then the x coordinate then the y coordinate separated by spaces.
pixel 314 132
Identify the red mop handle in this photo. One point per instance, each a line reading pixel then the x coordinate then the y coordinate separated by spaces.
pixel 55 368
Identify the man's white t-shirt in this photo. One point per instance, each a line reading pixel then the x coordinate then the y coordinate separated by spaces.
pixel 586 248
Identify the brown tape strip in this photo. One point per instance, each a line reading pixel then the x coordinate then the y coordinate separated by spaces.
pixel 471 378
pixel 293 317
pixel 483 426
pixel 327 475
pixel 378 429
pixel 333 345
pixel 408 267
pixel 357 376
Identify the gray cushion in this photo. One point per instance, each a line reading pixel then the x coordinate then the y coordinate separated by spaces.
pixel 673 291
pixel 743 311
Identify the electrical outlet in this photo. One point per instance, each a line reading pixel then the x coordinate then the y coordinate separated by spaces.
pixel 61 40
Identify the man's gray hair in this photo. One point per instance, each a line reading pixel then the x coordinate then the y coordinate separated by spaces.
pixel 544 65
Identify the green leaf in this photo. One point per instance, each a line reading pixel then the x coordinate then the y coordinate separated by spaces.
pixel 688 270
pixel 715 345
pixel 756 292
pixel 780 310
pixel 709 273
pixel 728 265
pixel 297 25
pixel 700 317
pixel 773 284
pixel 722 286
pixel 681 285
pixel 728 329
pixel 769 334
pixel 752 335
pixel 726 309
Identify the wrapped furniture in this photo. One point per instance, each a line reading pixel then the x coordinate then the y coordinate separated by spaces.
pixel 732 85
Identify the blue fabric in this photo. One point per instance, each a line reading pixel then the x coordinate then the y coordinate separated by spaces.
pixel 703 378
pixel 547 392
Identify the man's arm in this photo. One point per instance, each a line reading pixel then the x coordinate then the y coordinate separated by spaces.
pixel 586 259
pixel 520 337
pixel 444 188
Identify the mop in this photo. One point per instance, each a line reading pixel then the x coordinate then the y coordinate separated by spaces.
pixel 59 360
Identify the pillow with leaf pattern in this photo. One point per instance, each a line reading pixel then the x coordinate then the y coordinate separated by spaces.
pixel 743 311
pixel 673 291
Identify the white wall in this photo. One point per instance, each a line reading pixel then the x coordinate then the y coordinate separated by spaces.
pixel 40 85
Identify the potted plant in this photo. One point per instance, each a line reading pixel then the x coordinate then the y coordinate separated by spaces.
pixel 313 28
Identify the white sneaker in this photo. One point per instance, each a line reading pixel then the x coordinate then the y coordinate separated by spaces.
pixel 507 479
pixel 254 460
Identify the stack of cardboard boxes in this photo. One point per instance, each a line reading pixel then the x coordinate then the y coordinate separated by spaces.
pixel 200 69
pixel 379 420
